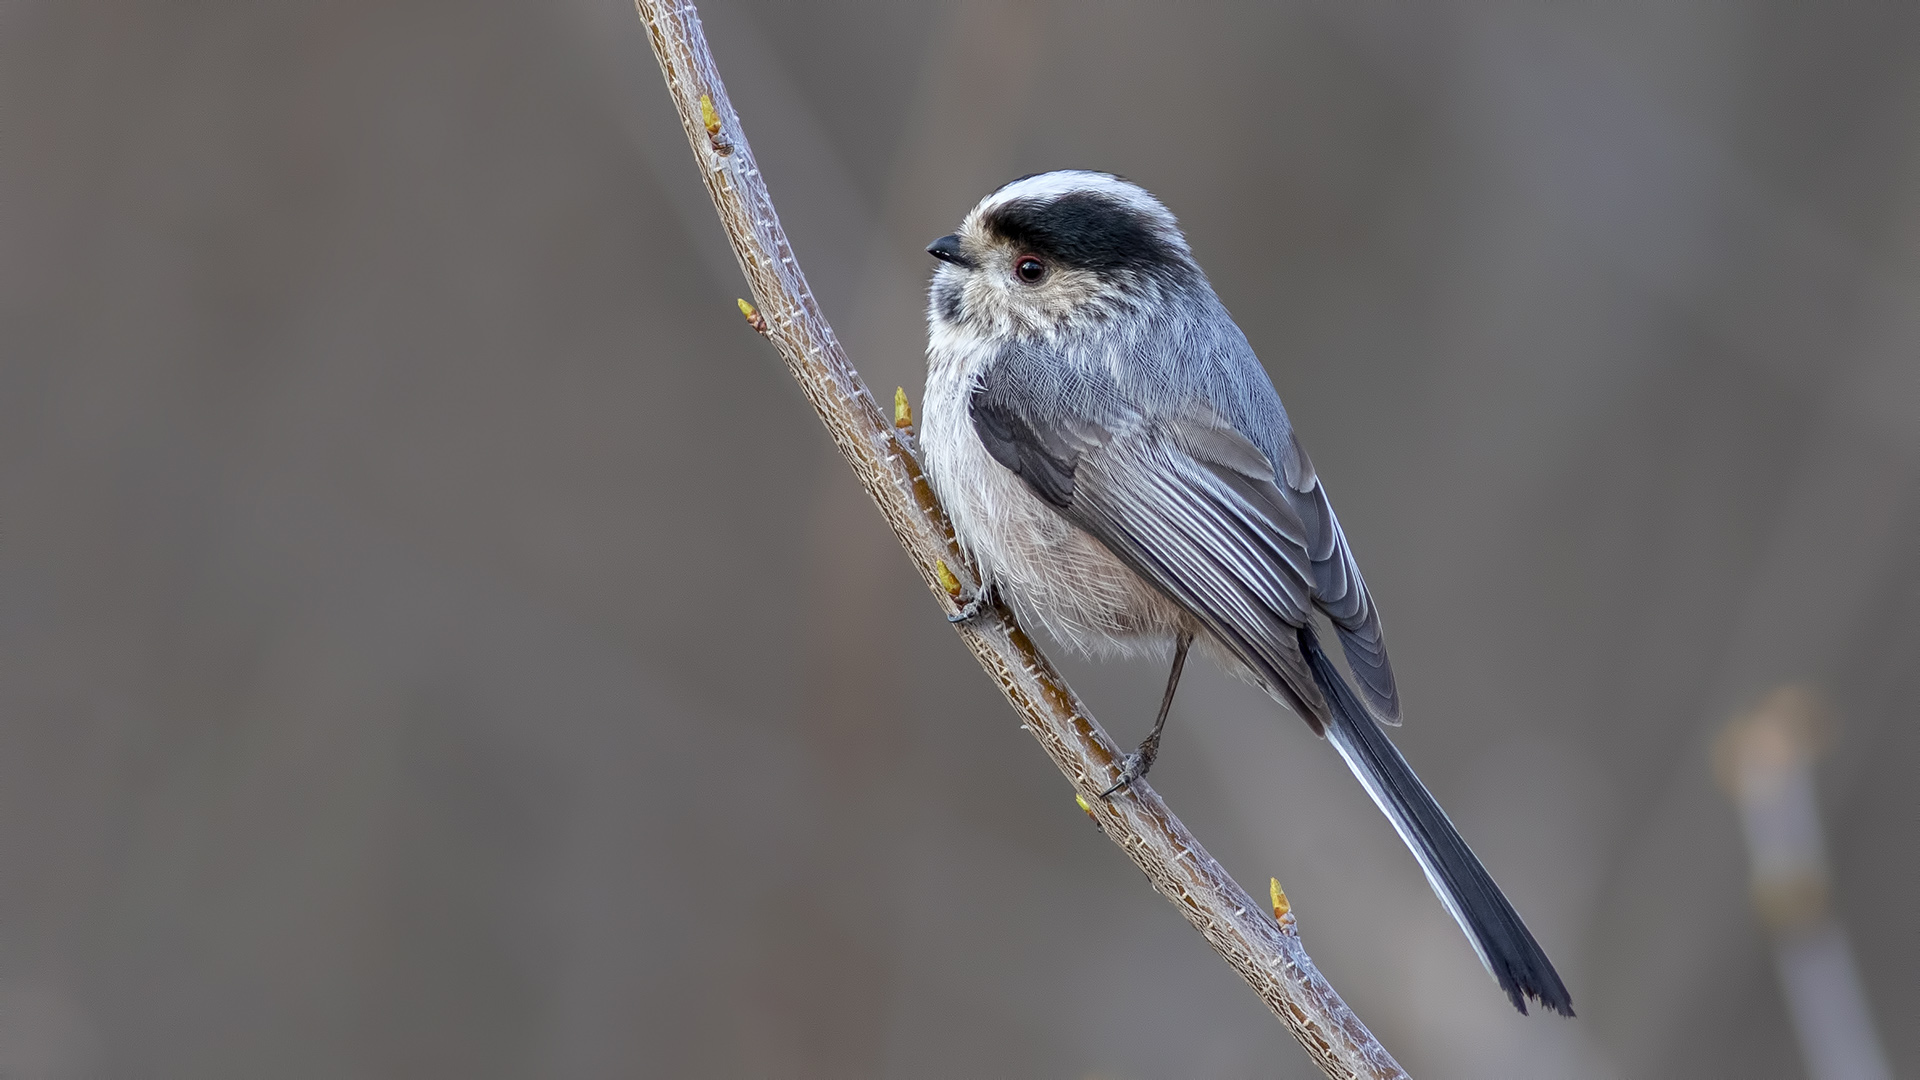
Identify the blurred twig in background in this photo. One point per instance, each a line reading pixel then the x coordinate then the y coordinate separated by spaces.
pixel 1266 951
pixel 1765 760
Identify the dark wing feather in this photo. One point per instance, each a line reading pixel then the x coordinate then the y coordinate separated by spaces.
pixel 1338 588
pixel 1208 537
pixel 1045 457
pixel 1197 509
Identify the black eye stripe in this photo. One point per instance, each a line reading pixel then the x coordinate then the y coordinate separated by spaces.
pixel 1085 231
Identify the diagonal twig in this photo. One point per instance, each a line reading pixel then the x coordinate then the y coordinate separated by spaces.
pixel 1264 949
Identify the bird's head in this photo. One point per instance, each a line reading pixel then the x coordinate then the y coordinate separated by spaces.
pixel 1054 252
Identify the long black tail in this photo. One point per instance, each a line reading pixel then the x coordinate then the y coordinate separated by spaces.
pixel 1512 956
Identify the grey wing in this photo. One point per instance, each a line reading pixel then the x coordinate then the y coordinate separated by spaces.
pixel 1194 507
pixel 1340 591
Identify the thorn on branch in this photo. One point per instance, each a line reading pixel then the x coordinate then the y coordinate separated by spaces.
pixel 754 318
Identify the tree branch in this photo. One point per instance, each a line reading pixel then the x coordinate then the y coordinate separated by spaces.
pixel 1264 949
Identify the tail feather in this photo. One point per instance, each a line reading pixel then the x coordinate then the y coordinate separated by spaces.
pixel 1505 946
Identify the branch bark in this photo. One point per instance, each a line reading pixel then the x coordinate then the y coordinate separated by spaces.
pixel 1263 948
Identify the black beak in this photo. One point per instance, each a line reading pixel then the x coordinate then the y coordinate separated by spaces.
pixel 947 249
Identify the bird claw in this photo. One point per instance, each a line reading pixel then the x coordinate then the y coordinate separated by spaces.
pixel 1133 767
pixel 971 610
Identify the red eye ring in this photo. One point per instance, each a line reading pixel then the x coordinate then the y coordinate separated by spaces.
pixel 1029 269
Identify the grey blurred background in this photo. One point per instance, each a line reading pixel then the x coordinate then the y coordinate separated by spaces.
pixel 436 639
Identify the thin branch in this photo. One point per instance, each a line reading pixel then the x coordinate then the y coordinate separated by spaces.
pixel 1264 949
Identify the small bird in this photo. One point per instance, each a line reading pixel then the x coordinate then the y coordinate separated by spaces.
pixel 1119 466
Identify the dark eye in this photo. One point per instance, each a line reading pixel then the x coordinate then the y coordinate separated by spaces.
pixel 1029 269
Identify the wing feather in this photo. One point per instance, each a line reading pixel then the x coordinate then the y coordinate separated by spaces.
pixel 1195 507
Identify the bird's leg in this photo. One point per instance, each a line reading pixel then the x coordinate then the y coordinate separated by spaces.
pixel 1137 763
pixel 980 601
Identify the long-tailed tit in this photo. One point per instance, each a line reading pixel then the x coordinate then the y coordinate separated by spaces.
pixel 1119 466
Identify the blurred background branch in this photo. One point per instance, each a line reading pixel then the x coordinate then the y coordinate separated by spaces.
pixel 1266 951
pixel 1765 761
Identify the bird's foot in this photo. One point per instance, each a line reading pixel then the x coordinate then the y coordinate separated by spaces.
pixel 1134 766
pixel 971 610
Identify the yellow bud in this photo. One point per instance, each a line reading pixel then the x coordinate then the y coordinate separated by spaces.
pixel 1082 801
pixel 947 580
pixel 902 411
pixel 753 316
pixel 708 116
pixel 1282 910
